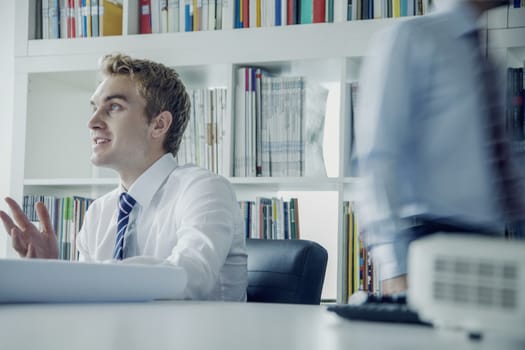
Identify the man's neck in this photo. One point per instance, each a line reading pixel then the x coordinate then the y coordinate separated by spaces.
pixel 130 175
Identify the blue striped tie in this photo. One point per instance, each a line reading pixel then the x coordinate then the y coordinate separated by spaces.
pixel 125 206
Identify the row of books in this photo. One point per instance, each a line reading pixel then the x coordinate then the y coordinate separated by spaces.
pixel 67 215
pixel 91 18
pixel 515 120
pixel 270 118
pixel 358 271
pixel 167 16
pixel 269 13
pixel 271 218
pixel 373 9
pixel 202 142
pixel 59 19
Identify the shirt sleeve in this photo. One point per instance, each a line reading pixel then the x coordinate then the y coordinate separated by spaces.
pixel 208 217
pixel 81 240
pixel 383 140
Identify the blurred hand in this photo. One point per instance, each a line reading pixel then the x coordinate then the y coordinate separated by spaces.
pixel 394 285
pixel 27 239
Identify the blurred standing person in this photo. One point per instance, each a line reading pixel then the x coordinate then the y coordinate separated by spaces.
pixel 430 142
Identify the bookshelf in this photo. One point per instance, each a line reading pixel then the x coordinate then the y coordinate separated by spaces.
pixel 54 80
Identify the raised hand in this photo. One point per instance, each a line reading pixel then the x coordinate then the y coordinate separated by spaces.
pixel 27 239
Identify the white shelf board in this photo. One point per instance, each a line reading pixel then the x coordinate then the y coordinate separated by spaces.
pixel 517 17
pixel 506 38
pixel 287 183
pixel 352 180
pixel 345 39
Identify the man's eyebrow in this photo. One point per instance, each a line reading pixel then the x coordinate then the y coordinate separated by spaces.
pixel 116 96
pixel 111 97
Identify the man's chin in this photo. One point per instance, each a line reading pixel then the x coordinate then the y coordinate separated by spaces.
pixel 100 162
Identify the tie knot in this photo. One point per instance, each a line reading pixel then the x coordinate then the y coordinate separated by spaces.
pixel 126 202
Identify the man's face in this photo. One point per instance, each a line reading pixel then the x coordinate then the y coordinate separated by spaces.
pixel 120 133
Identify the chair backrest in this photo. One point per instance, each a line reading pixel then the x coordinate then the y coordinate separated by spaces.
pixel 285 271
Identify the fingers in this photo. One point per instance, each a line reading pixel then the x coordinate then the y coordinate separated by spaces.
pixel 43 216
pixel 18 241
pixel 18 214
pixel 8 223
pixel 31 252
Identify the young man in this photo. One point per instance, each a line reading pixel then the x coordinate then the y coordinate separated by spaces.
pixel 429 139
pixel 161 213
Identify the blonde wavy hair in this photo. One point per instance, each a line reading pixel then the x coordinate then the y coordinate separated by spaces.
pixel 160 86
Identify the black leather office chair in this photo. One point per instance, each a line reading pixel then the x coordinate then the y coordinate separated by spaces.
pixel 285 271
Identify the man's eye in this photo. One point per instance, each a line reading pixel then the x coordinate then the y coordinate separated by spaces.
pixel 114 107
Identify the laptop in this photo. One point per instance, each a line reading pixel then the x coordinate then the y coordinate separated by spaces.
pixel 58 281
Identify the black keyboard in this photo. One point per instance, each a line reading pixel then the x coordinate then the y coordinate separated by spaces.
pixel 379 309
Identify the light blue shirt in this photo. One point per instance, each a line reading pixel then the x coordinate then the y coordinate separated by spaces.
pixel 420 138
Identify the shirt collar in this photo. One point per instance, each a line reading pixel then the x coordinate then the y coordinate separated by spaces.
pixel 150 181
pixel 464 19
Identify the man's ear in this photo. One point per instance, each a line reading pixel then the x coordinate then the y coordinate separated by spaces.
pixel 161 124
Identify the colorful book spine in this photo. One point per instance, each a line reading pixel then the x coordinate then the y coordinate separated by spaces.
pixel 145 16
pixel 95 19
pixel 319 11
pixel 188 15
pixel 306 9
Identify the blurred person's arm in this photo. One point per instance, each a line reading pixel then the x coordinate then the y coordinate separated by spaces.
pixel 394 285
pixel 385 138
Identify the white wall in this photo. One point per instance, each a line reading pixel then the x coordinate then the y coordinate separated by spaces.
pixel 7 34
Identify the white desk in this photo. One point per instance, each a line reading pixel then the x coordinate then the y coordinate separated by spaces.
pixel 209 325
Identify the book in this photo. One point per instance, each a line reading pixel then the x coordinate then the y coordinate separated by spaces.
pixel 145 16
pixel 329 11
pixel 268 218
pixel 291 12
pixel 79 18
pixel 87 15
pixel 37 15
pixel 111 18
pixel 319 11
pixel 218 14
pixel 63 18
pixel 95 19
pixel 306 12
pixel 163 16
pixel 72 23
pixel 212 15
pixel 188 15
pixel 195 14
pixel 54 19
pixel 155 16
pixel 278 15
pixel 314 109
pixel 204 12
pixel 173 16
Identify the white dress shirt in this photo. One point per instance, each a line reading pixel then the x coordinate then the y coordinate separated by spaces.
pixel 420 138
pixel 184 216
